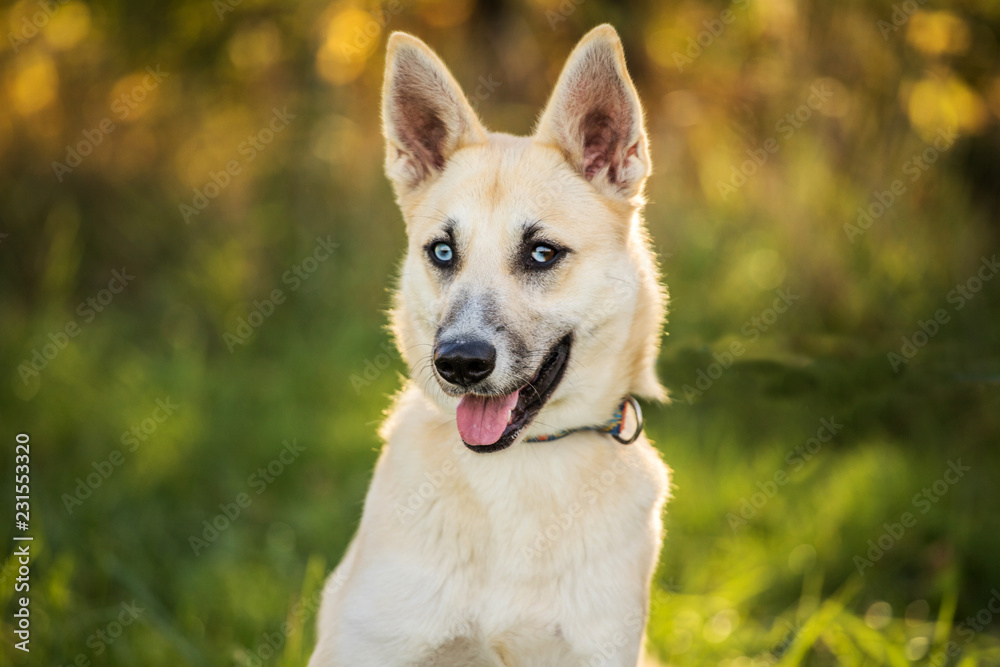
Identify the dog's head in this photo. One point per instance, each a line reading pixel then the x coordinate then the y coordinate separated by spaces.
pixel 529 300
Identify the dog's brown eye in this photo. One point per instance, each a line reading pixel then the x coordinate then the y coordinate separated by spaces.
pixel 543 254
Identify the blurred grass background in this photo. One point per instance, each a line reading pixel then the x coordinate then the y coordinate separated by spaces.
pixel 753 572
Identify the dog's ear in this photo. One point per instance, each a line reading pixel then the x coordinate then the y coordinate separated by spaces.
pixel 594 116
pixel 425 115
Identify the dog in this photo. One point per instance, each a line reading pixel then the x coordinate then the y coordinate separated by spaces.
pixel 511 519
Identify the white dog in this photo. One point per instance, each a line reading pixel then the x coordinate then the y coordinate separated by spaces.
pixel 507 522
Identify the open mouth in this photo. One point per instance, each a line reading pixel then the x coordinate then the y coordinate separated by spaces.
pixel 491 423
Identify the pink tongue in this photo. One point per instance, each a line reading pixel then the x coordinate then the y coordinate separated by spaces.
pixel 482 419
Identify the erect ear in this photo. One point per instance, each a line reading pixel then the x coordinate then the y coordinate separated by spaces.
pixel 425 115
pixel 594 116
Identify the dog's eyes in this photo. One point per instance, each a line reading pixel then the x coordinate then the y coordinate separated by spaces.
pixel 542 255
pixel 441 253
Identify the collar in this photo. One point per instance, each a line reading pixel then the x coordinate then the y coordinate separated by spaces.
pixel 612 427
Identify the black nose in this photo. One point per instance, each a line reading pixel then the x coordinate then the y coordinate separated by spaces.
pixel 465 362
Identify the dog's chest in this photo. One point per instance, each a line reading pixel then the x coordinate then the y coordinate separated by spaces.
pixel 533 573
pixel 523 646
pixel 539 557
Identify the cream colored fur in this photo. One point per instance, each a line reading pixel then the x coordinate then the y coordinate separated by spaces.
pixel 540 554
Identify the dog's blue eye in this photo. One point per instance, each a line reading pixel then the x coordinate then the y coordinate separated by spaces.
pixel 543 254
pixel 442 252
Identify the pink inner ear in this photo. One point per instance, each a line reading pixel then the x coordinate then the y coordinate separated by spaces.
pixel 595 156
pixel 600 144
pixel 420 129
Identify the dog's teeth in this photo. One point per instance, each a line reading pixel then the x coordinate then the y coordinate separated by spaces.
pixel 510 416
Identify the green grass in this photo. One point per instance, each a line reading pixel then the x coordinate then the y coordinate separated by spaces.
pixel 777 581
